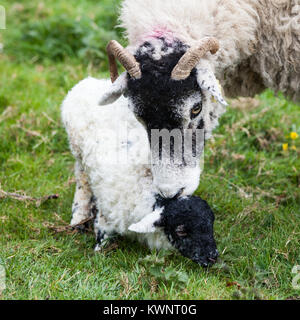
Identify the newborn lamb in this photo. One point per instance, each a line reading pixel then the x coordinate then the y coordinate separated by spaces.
pixel 112 170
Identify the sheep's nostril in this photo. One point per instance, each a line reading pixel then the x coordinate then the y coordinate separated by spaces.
pixel 168 194
pixel 179 193
pixel 161 193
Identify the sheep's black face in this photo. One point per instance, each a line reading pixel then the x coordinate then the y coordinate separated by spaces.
pixel 188 224
pixel 156 98
pixel 178 115
pixel 162 103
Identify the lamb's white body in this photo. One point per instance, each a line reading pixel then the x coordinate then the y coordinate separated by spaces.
pixel 259 39
pixel 100 139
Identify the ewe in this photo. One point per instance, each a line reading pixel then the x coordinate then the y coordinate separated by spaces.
pixel 173 61
pixel 111 150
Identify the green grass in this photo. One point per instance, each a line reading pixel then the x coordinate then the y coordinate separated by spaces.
pixel 252 185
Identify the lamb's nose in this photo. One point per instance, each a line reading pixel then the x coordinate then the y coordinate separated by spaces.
pixel 169 194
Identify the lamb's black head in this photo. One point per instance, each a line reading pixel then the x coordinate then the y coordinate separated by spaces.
pixel 166 94
pixel 188 224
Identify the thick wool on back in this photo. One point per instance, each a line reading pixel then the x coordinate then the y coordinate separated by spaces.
pixel 259 39
pixel 277 57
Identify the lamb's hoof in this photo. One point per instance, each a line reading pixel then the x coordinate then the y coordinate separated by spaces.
pixel 98 247
pixel 103 241
pixel 81 228
pixel 106 246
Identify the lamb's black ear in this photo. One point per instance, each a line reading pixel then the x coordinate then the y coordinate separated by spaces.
pixel 115 90
pixel 181 231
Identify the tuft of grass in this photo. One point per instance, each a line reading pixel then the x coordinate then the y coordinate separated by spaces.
pixel 56 32
pixel 59 37
pixel 251 183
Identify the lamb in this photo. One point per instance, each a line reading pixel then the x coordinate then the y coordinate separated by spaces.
pixel 177 51
pixel 112 174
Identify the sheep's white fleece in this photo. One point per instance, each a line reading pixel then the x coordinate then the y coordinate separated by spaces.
pixel 123 189
pixel 259 39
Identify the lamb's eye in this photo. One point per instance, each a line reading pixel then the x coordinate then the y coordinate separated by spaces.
pixel 196 110
pixel 180 231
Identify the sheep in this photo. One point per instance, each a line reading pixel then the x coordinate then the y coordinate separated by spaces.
pixel 177 51
pixel 113 175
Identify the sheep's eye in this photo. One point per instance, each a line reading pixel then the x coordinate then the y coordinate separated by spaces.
pixel 180 231
pixel 196 110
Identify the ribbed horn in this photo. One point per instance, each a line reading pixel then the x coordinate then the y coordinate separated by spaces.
pixel 193 56
pixel 128 61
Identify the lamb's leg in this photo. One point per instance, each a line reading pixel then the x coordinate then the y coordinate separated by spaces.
pixel 81 208
pixel 102 231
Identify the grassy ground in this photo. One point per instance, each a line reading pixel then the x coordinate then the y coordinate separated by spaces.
pixel 251 183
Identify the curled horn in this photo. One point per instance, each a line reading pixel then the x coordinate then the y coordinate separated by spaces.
pixel 128 61
pixel 192 57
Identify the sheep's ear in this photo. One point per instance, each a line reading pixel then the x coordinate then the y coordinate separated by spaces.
pixel 115 90
pixel 207 81
pixel 149 223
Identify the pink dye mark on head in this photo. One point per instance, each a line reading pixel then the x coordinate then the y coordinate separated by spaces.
pixel 161 32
